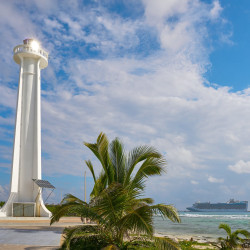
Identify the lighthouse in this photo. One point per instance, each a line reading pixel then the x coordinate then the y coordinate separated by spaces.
pixel 25 198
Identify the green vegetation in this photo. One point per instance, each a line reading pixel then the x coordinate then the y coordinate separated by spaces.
pixel 51 208
pixel 2 203
pixel 117 167
pixel 233 240
pixel 117 205
pixel 194 245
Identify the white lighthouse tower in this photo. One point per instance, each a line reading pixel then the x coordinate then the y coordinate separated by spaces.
pixel 25 195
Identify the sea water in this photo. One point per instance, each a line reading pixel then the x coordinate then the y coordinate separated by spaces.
pixel 202 224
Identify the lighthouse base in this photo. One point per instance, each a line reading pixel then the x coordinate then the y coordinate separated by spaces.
pixel 15 208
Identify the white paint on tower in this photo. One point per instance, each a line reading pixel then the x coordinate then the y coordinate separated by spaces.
pixel 25 197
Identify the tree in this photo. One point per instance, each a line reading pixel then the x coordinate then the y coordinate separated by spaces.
pixel 233 240
pixel 117 206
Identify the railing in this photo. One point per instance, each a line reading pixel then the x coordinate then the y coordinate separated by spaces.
pixel 26 48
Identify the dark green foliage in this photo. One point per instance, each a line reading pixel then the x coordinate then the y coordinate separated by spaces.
pixel 193 245
pixel 88 237
pixel 233 240
pixel 51 208
pixel 117 206
pixel 2 203
pixel 186 244
pixel 165 243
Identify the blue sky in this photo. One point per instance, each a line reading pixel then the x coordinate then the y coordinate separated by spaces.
pixel 171 74
pixel 230 63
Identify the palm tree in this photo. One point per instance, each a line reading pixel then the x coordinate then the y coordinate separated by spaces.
pixel 117 206
pixel 233 240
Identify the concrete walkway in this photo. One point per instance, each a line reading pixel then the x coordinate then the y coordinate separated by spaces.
pixel 33 233
pixel 25 247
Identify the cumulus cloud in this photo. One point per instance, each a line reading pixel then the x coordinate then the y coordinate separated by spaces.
pixel 241 167
pixel 215 180
pixel 177 23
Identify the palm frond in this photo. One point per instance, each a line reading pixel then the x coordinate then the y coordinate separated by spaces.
pixel 145 200
pixel 100 184
pixel 100 149
pixel 137 155
pixel 75 206
pixel 242 232
pixel 71 198
pixel 69 234
pixel 91 168
pixel 166 243
pixel 118 159
pixel 167 211
pixel 138 220
pixel 110 202
pixel 62 211
pixel 77 232
pixel 134 202
pixel 226 227
pixel 94 146
pixel 89 212
pixel 151 166
pixel 103 147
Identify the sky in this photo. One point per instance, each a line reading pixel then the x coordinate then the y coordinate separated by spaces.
pixel 170 74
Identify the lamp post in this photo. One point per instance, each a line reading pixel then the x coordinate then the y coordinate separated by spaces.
pixel 85 219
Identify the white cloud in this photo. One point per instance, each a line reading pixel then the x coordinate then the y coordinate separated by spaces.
pixel 241 167
pixel 53 24
pixel 216 10
pixel 180 24
pixel 194 182
pixel 215 180
pixel 158 11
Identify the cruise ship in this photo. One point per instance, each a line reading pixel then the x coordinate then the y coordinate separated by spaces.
pixel 230 206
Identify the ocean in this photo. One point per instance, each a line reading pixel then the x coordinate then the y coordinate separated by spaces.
pixel 202 224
